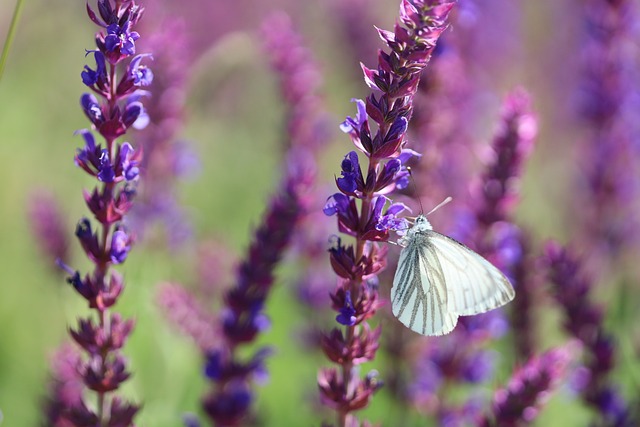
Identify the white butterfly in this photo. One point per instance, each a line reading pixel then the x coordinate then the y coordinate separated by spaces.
pixel 439 279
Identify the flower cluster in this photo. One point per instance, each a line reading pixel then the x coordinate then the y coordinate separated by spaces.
pixel 583 320
pixel 167 159
pixel 608 96
pixel 462 357
pixel 379 132
pixel 243 318
pixel 309 129
pixel 116 168
pixel 489 226
pixel 529 388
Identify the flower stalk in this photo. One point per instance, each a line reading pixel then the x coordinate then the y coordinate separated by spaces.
pixel 379 132
pixel 113 108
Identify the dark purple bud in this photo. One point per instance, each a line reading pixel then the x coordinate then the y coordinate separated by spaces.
pixel 393 140
pixel 76 281
pixel 132 112
pixel 244 328
pixel 92 109
pixel 120 246
pixel 97 77
pixel 351 179
pixel 106 173
pixel 107 13
pixel 213 365
pixel 88 239
pixel 230 405
pixel 397 129
pixel 347 312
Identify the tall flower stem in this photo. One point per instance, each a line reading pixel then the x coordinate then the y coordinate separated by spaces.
pixel 103 368
pixel 389 107
pixel 571 288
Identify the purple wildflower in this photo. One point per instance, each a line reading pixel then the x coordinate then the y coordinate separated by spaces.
pixel 308 129
pixel 166 158
pixel 497 192
pixel 529 387
pixel 583 320
pixel 608 102
pixel 300 81
pixel 489 229
pixel 103 368
pixel 379 132
pixel 230 399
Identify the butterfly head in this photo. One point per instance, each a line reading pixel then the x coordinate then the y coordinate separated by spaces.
pixel 422 223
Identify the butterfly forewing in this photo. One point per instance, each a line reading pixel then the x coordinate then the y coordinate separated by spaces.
pixel 473 284
pixel 419 294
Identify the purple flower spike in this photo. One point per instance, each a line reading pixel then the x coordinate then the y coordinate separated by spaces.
pixel 242 316
pixel 529 387
pixel 102 368
pixel 379 131
pixel 584 320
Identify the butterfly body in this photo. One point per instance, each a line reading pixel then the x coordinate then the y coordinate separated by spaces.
pixel 439 279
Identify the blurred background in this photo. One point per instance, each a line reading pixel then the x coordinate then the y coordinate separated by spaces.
pixel 230 122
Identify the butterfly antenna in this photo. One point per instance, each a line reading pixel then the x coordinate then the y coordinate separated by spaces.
pixel 415 189
pixel 444 202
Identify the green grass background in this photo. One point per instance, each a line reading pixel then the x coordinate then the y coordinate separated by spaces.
pixel 238 144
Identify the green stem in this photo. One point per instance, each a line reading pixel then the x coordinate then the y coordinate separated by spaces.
pixel 10 35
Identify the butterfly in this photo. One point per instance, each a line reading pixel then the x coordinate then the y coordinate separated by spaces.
pixel 439 279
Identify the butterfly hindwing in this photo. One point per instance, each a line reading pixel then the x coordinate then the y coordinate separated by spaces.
pixel 473 284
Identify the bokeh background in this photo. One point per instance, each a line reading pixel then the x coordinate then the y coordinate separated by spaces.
pixel 234 129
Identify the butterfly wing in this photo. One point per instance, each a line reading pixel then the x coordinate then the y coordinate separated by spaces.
pixel 419 295
pixel 473 284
